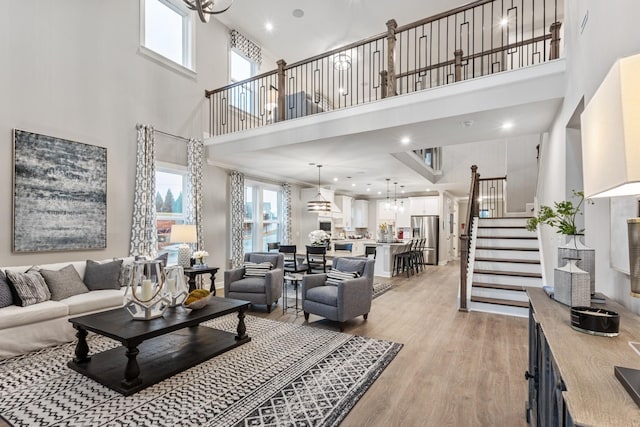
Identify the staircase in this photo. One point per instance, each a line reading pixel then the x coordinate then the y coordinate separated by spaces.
pixel 507 260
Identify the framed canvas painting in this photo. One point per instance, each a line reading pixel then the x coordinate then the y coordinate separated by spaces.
pixel 59 194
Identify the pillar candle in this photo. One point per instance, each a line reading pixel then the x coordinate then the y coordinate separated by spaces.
pixel 171 285
pixel 147 291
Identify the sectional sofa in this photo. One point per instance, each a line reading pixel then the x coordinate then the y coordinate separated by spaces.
pixel 43 324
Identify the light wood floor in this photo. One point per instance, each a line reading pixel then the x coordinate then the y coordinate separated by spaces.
pixel 455 369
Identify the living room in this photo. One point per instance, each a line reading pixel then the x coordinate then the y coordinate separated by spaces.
pixel 74 70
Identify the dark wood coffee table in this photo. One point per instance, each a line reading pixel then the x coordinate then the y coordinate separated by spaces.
pixel 153 350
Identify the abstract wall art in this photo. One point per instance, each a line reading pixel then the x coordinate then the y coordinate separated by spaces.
pixel 59 194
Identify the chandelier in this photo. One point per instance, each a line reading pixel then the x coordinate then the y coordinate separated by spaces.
pixel 208 7
pixel 319 204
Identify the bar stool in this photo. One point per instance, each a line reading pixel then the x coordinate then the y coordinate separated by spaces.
pixel 403 261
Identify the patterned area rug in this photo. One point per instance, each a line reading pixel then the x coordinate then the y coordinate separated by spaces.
pixel 287 375
pixel 381 288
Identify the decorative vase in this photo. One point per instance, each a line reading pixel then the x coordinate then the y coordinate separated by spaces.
pixel 175 287
pixel 585 255
pixel 571 285
pixel 184 256
pixel 147 299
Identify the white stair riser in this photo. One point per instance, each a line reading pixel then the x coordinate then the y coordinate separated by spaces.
pixel 507 243
pixel 503 222
pixel 504 254
pixel 507 266
pixel 507 280
pixel 499 309
pixel 500 294
pixel 505 232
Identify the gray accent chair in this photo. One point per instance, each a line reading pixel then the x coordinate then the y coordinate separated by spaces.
pixel 349 299
pixel 257 290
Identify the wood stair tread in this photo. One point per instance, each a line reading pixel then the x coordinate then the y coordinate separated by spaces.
pixel 509 273
pixel 506 217
pixel 510 260
pixel 509 237
pixel 496 248
pixel 518 288
pixel 517 227
pixel 498 301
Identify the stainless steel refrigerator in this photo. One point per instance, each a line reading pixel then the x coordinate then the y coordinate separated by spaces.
pixel 426 226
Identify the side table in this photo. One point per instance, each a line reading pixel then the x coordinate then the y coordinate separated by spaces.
pixel 192 272
pixel 295 280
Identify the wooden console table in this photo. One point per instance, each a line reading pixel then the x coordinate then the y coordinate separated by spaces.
pixel 571 376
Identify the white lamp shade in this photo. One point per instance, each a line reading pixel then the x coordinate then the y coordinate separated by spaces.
pixel 611 133
pixel 183 233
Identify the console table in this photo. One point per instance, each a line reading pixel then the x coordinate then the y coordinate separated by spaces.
pixel 571 374
pixel 192 272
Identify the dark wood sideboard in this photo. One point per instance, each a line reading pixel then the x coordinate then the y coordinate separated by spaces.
pixel 571 374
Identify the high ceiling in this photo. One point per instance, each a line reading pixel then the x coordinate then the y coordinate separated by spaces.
pixel 359 159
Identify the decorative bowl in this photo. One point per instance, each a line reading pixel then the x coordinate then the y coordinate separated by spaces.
pixel 198 304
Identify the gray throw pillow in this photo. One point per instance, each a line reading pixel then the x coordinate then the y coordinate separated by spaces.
pixel 64 283
pixel 6 298
pixel 102 276
pixel 30 287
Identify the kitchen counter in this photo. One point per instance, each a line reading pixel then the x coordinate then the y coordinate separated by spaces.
pixel 385 254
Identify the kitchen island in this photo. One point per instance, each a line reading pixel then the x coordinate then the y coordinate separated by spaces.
pixel 385 253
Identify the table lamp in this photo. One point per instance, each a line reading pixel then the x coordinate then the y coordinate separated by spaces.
pixel 611 163
pixel 184 234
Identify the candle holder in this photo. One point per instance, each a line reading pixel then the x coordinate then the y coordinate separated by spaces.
pixel 148 298
pixel 176 288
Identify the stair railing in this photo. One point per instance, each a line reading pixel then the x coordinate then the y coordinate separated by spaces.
pixel 492 197
pixel 476 39
pixel 466 236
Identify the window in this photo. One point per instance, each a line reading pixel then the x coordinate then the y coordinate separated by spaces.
pixel 241 68
pixel 167 32
pixel 170 186
pixel 262 219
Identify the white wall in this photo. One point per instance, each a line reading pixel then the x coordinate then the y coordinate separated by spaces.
pixel 522 170
pixel 610 33
pixel 71 69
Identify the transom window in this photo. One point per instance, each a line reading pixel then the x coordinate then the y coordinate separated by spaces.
pixel 167 30
pixel 262 216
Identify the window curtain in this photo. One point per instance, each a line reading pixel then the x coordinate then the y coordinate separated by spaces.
pixel 286 213
pixel 195 160
pixel 237 218
pixel 246 46
pixel 144 237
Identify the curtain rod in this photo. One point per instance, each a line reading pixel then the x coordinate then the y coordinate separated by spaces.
pixel 172 135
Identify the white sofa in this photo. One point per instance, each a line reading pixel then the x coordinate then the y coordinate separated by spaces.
pixel 24 329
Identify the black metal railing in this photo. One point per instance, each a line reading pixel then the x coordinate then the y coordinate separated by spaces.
pixel 491 197
pixel 481 38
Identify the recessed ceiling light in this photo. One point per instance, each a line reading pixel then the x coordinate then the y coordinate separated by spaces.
pixel 298 13
pixel 335 179
pixel 504 21
pixel 368 189
pixel 405 140
pixel 353 185
pixel 428 189
pixel 507 125
pixel 268 26
pixel 379 192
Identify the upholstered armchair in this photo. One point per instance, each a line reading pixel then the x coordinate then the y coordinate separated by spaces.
pixel 256 289
pixel 344 300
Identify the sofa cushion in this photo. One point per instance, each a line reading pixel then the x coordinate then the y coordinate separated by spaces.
pixel 336 276
pixel 327 295
pixel 254 285
pixel 29 287
pixel 94 300
pixel 14 315
pixel 350 265
pixel 258 258
pixel 102 275
pixel 256 269
pixel 6 298
pixel 63 283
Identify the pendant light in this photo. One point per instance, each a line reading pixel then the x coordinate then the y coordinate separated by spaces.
pixel 395 196
pixel 387 205
pixel 401 208
pixel 319 204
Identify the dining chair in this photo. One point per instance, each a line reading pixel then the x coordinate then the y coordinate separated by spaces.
pixel 273 246
pixel 291 262
pixel 316 259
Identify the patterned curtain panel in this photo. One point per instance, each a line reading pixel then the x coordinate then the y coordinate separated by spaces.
pixel 246 46
pixel 193 196
pixel 144 237
pixel 237 217
pixel 286 213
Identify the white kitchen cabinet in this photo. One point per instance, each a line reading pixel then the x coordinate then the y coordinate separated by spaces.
pixel 360 213
pixel 384 214
pixel 344 203
pixel 428 205
pixel 403 216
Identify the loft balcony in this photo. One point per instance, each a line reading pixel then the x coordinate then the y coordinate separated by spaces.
pixel 477 41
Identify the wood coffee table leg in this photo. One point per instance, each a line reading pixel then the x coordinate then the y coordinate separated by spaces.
pixel 132 371
pixel 82 348
pixel 242 328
